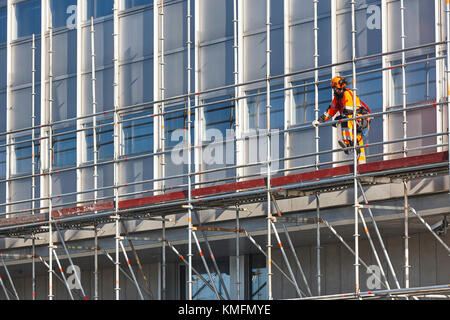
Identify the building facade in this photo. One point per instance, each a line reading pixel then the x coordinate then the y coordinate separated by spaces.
pixel 115 100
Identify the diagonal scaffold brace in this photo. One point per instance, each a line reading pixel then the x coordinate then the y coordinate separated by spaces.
pixel 77 278
pixel 123 271
pixel 138 261
pixel 4 288
pixel 63 275
pixel 131 269
pixel 9 277
pixel 193 269
pixel 291 246
pixel 411 209
pixel 205 264
pixel 380 239
pixel 216 267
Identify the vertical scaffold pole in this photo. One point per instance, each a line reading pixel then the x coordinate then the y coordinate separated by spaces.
pixel 269 206
pixel 162 91
pixel 447 15
pixel 95 152
pixel 238 274
pixel 33 159
pixel 188 144
pixel 406 212
pixel 94 110
pixel 355 155
pixel 96 262
pixel 48 19
pixel 163 259
pixel 316 116
pixel 116 144
pixel 403 37
pixel 33 269
pixel 237 128
pixel 236 71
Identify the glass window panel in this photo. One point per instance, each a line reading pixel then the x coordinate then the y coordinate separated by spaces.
pixel 138 133
pixel 3 24
pixel 99 8
pixel 201 291
pixel 135 3
pixel 303 139
pixel 368 30
pixel 258 278
pixel 2 159
pixel 175 144
pixel 28 18
pixel 218 152
pixel 257 109
pixel 220 115
pixel 105 140
pixel 64 146
pixel 63 13
pixel 22 156
pixel 420 81
pixel 420 90
pixel 257 124
pixel 174 121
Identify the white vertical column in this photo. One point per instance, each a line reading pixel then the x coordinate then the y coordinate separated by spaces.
pixel 199 112
pixel 116 143
pixel 11 22
pixel 240 107
pixel 44 142
pixel 440 65
pixel 289 105
pixel 158 93
pixel 94 111
pixel 81 135
pixel 386 75
pixel 404 93
pixel 47 106
pixel 334 50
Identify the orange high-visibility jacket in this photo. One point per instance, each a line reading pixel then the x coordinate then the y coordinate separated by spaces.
pixel 344 106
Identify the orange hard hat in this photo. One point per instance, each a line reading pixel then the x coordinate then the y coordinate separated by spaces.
pixel 338 82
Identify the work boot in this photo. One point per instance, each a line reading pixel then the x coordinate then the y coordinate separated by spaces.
pixel 343 145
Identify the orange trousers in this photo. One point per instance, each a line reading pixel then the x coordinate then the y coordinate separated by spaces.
pixel 347 137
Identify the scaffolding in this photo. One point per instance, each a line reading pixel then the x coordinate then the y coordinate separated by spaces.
pixel 230 193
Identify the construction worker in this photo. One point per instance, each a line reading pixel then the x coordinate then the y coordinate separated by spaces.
pixel 343 103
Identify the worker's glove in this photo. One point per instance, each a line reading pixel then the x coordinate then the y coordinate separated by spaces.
pixel 315 123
